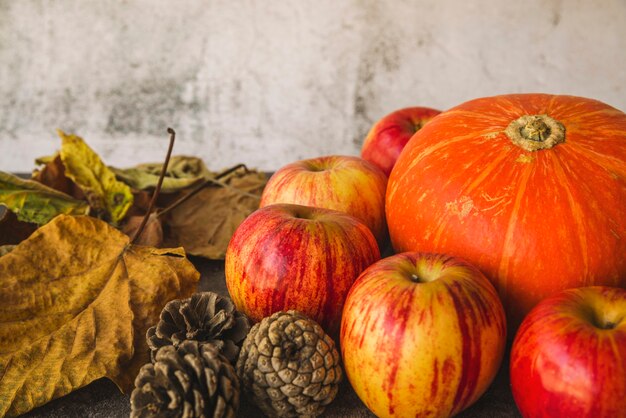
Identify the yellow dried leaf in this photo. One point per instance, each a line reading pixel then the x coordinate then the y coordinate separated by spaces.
pixel 77 299
pixel 104 193
pixel 204 224
pixel 182 172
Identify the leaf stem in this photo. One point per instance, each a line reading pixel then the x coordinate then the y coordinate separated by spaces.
pixel 205 183
pixel 157 190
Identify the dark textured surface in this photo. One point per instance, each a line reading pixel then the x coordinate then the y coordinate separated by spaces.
pixel 102 399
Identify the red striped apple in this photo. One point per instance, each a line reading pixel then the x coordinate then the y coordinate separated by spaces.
pixel 339 182
pixel 389 135
pixel 422 335
pixel 569 356
pixel 297 257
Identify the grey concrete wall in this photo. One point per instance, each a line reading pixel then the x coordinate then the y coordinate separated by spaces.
pixel 269 82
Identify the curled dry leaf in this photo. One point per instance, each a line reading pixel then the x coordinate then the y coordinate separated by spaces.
pixel 182 172
pixel 204 224
pixel 141 202
pixel 106 196
pixel 51 172
pixel 77 299
pixel 152 234
pixel 34 202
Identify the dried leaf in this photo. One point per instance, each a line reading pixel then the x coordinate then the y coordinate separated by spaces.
pixel 5 249
pixel 105 194
pixel 182 172
pixel 204 224
pixel 77 300
pixel 13 231
pixel 152 234
pixel 46 159
pixel 141 203
pixel 52 174
pixel 34 202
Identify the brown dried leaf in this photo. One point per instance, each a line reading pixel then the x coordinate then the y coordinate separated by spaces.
pixel 52 174
pixel 152 234
pixel 77 299
pixel 204 224
pixel 12 230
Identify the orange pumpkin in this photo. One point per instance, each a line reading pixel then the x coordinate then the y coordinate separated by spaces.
pixel 530 188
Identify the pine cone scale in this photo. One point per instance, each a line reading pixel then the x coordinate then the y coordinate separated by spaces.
pixel 287 375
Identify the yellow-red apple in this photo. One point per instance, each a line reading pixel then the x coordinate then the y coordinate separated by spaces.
pixel 422 335
pixel 286 257
pixel 339 182
pixel 569 356
pixel 389 135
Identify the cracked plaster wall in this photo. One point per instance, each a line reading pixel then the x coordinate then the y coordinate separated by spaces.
pixel 269 82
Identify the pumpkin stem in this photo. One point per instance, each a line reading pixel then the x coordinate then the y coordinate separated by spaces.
pixel 535 132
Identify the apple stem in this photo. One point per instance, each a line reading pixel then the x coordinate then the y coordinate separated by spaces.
pixel 422 274
pixel 602 321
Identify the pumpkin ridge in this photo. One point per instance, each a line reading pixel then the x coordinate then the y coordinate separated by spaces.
pixel 391 191
pixel 585 115
pixel 478 137
pixel 609 163
pixel 552 107
pixel 485 173
pixel 577 216
pixel 508 248
pixel 495 119
pixel 435 147
pixel 443 220
pixel 618 135
pixel 572 112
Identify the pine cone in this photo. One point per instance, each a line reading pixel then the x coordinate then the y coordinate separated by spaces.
pixel 205 317
pixel 289 366
pixel 191 380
